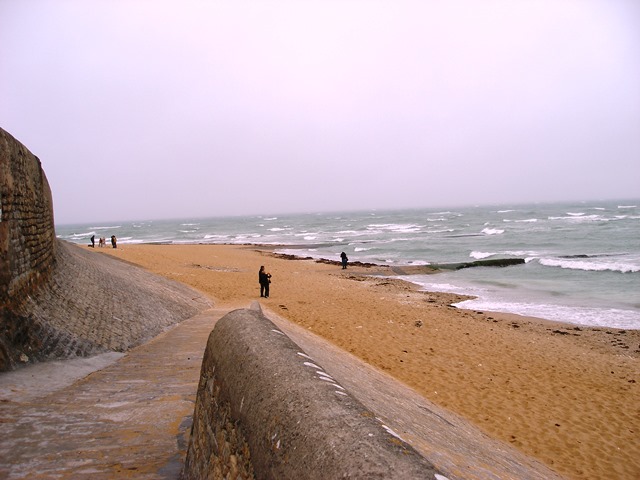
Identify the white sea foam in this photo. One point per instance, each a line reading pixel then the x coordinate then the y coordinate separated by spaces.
pixel 492 231
pixel 77 236
pixel 106 228
pixel 581 218
pixel 397 227
pixel 361 249
pixel 593 265
pixel 627 206
pixel 588 316
pixel 481 255
pixel 419 263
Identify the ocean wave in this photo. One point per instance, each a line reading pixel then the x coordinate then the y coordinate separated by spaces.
pixel 78 236
pixel 627 206
pixel 211 236
pixel 512 253
pixel 481 255
pixel 581 218
pixel 106 228
pixel 492 231
pixel 590 266
pixel 361 249
pixel 397 227
pixel 588 316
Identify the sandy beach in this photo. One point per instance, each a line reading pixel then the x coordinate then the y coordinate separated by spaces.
pixel 566 395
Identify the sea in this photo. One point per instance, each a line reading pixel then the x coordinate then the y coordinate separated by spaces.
pixel 581 261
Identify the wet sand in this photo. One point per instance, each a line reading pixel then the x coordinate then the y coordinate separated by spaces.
pixel 564 394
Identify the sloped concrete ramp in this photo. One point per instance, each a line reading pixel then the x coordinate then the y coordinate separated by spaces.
pixel 128 420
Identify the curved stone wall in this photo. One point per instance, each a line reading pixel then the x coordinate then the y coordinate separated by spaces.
pixel 59 300
pixel 27 233
pixel 263 407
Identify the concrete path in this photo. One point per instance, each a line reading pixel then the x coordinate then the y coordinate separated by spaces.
pixel 129 420
pixel 132 418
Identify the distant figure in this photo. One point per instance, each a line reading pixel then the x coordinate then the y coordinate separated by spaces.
pixel 344 258
pixel 114 243
pixel 264 278
pixel 101 242
pixel 93 241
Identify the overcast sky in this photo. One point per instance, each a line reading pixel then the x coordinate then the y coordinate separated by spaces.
pixel 165 109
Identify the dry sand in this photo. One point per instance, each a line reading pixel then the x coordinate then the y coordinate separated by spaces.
pixel 566 395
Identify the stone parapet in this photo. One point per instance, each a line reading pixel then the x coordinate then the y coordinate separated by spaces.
pixel 264 409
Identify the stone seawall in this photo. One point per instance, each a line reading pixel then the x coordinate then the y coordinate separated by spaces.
pixel 60 300
pixel 27 234
pixel 264 408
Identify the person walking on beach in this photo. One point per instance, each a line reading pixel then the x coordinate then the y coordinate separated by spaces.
pixel 93 241
pixel 114 243
pixel 344 258
pixel 264 278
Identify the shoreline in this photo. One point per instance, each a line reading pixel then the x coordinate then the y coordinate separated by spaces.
pixel 564 394
pixel 408 270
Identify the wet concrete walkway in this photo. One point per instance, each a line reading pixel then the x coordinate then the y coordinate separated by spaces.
pixel 129 420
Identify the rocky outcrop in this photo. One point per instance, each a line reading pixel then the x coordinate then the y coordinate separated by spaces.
pixel 59 300
pixel 493 262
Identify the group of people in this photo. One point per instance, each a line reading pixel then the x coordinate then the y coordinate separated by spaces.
pixel 264 277
pixel 102 242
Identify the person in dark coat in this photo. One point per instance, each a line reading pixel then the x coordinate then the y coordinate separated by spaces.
pixel 264 278
pixel 344 258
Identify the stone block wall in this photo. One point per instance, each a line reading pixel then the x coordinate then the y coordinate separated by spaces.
pixel 264 409
pixel 27 233
pixel 60 300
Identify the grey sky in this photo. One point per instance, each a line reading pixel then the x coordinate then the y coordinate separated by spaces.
pixel 152 109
